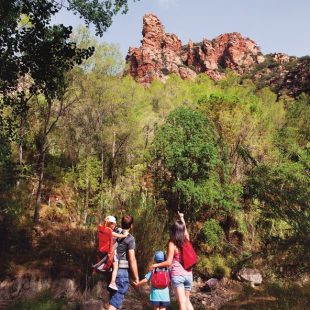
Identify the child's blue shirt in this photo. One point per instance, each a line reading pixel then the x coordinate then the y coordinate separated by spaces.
pixel 157 294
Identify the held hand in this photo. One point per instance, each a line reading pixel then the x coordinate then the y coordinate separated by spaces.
pixel 135 283
pixel 151 267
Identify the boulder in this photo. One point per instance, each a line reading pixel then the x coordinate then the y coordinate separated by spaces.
pixel 250 275
pixel 64 288
pixel 212 283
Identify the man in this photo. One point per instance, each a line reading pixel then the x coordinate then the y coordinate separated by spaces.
pixel 127 260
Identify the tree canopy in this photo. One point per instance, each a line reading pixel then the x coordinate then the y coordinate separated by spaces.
pixel 35 55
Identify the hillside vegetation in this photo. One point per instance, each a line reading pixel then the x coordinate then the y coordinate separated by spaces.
pixel 233 158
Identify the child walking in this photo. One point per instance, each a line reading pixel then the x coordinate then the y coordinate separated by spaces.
pixel 159 297
pixel 108 246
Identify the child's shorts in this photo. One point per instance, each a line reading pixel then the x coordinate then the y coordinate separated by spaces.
pixel 160 303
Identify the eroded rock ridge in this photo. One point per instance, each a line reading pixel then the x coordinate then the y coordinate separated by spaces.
pixel 163 53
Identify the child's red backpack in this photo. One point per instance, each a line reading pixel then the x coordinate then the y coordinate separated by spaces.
pixel 189 256
pixel 105 239
pixel 105 249
pixel 160 278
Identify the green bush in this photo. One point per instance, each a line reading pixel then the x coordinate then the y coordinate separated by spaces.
pixel 204 265
pixel 214 266
pixel 213 233
pixel 220 269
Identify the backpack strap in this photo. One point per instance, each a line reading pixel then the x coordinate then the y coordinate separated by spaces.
pixel 121 240
pixel 156 269
pixel 182 256
pixel 122 259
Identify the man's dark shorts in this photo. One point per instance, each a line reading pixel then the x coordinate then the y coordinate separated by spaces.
pixel 122 283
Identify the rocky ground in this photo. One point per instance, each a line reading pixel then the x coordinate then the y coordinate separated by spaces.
pixel 95 297
pixel 211 294
pixel 203 296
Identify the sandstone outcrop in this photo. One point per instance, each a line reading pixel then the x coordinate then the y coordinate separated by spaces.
pixel 285 75
pixel 162 54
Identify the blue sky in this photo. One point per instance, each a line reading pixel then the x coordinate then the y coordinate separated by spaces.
pixel 275 25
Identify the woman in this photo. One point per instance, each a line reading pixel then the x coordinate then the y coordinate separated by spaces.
pixel 181 279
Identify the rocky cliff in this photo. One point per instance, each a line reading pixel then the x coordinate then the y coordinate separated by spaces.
pixel 163 53
pixel 285 75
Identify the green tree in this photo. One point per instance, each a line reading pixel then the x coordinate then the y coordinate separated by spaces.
pixel 85 179
pixel 41 52
pixel 35 58
pixel 99 13
pixel 283 191
pixel 107 123
pixel 282 187
pixel 107 60
pixel 189 171
pixel 46 111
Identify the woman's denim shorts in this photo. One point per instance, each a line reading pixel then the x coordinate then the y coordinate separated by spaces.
pixel 182 281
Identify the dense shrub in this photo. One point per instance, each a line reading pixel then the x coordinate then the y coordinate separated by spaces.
pixel 213 266
pixel 213 233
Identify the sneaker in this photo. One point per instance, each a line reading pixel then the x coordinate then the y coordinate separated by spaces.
pixel 113 287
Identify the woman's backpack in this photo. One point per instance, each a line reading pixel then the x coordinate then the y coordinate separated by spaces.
pixel 160 278
pixel 189 256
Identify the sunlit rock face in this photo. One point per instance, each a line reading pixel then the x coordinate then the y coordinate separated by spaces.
pixel 162 54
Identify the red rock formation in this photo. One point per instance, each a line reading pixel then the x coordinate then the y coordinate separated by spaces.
pixel 162 53
pixel 285 75
pixel 153 31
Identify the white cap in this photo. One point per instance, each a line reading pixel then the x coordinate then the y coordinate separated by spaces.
pixel 111 219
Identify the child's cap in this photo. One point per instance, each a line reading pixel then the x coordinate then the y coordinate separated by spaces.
pixel 159 256
pixel 111 219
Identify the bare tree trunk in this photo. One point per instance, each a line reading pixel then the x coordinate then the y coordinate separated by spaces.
pixel 42 155
pixel 85 213
pixel 113 158
pixel 113 145
pixel 102 179
pixel 40 185
pixel 87 194
pixel 20 153
pixel 20 147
